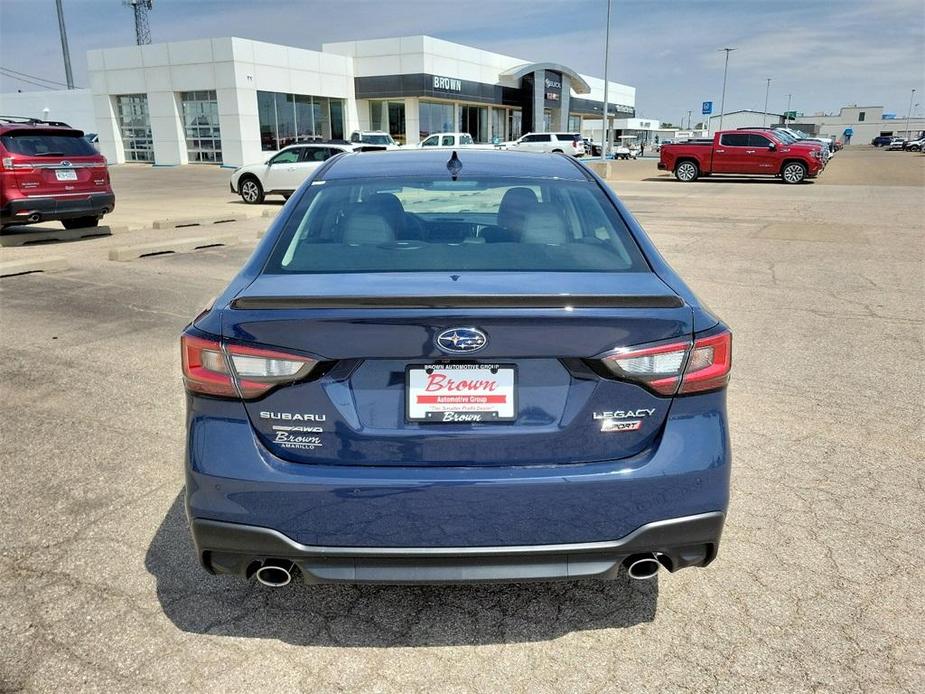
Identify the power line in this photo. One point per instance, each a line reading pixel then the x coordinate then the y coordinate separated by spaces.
pixel 27 81
pixel 34 77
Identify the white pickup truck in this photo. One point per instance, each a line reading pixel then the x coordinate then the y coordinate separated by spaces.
pixel 452 140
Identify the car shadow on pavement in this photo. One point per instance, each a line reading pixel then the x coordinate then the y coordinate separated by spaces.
pixel 379 616
pixel 763 180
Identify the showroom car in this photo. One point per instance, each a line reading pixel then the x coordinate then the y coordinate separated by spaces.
pixel 455 367
pixel 282 173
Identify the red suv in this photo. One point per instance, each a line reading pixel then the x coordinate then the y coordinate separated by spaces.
pixel 49 171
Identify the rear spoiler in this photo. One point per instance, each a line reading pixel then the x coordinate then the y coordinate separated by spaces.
pixel 461 301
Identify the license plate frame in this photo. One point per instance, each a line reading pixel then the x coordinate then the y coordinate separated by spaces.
pixel 65 174
pixel 471 410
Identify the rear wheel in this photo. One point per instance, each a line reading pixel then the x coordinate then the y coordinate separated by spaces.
pixel 80 222
pixel 793 172
pixel 686 171
pixel 251 191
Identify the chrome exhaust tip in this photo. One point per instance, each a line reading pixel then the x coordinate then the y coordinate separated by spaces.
pixel 34 217
pixel 275 573
pixel 642 567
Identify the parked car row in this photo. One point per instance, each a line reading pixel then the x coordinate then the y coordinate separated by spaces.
pixel 754 151
pixel 892 142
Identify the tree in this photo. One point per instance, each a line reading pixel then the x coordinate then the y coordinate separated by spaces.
pixel 667 125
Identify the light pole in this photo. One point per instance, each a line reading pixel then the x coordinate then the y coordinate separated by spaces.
pixel 909 113
pixel 722 101
pixel 64 49
pixel 787 114
pixel 605 123
pixel 689 119
pixel 764 116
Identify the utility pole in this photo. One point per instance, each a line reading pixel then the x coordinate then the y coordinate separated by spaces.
pixel 764 116
pixel 909 113
pixel 722 101
pixel 69 76
pixel 787 113
pixel 605 123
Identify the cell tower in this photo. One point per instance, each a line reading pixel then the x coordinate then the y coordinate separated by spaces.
pixel 142 30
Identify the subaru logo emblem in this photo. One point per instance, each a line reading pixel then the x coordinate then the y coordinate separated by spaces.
pixel 65 163
pixel 461 340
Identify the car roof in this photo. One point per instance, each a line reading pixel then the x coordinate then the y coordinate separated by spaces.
pixel 38 128
pixel 475 162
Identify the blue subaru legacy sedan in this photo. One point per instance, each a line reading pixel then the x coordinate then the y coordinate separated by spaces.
pixel 450 367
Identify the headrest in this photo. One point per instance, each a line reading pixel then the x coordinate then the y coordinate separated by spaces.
pixel 515 202
pixel 362 227
pixel 543 226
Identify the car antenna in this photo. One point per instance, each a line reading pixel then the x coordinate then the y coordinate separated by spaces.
pixel 454 166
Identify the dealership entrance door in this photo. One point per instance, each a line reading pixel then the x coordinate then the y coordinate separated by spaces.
pixel 474 120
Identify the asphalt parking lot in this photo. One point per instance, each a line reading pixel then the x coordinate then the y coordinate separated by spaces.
pixel 818 585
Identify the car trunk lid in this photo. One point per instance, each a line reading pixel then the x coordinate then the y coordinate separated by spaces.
pixel 367 336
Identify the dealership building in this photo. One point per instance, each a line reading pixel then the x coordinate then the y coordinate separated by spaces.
pixel 231 101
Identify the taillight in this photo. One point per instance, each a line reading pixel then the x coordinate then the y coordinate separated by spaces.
pixel 659 368
pixel 209 368
pixel 709 364
pixel 678 367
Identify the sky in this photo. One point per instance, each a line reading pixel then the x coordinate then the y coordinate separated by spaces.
pixel 826 53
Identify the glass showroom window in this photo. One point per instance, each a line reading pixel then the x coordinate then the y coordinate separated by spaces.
pixel 574 124
pixel 436 117
pixel 289 118
pixel 515 124
pixel 200 123
pixel 135 126
pixel 388 116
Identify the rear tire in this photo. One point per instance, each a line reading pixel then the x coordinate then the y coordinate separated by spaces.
pixel 793 172
pixel 686 171
pixel 251 191
pixel 81 222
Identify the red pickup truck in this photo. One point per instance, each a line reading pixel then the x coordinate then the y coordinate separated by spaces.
pixel 748 152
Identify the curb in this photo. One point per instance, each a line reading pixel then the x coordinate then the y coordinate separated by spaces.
pixel 140 250
pixel 25 267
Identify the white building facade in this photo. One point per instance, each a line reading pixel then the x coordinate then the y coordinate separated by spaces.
pixel 232 101
pixel 865 122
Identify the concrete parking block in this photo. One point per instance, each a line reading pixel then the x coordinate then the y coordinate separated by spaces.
pixel 180 245
pixel 12 268
pixel 196 221
pixel 47 235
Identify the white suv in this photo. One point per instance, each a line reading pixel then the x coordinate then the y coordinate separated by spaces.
pixel 372 140
pixel 282 173
pixel 567 143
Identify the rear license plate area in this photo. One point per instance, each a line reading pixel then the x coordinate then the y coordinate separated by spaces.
pixel 65 174
pixel 461 393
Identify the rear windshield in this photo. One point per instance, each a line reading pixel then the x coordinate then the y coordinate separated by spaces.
pixel 424 225
pixel 37 144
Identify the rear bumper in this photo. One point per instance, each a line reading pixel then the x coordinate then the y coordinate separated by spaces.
pixel 52 208
pixel 231 548
pixel 435 510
